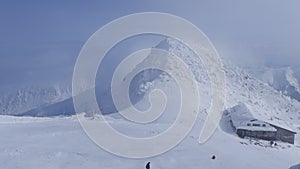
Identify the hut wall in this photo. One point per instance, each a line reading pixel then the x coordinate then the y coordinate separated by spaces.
pixel 264 135
pixel 285 135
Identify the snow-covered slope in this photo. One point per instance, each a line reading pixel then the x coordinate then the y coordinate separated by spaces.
pixel 263 101
pixel 50 143
pixel 285 79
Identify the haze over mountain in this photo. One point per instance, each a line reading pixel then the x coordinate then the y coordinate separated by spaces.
pixel 262 99
pixel 60 141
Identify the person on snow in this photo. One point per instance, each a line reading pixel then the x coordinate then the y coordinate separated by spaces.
pixel 147 165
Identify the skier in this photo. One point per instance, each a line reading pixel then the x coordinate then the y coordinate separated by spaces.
pixel 148 165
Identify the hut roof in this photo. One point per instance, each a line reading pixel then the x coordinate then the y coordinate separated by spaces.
pixel 251 124
pixel 241 115
pixel 282 125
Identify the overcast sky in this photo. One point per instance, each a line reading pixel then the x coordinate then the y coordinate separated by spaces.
pixel 40 40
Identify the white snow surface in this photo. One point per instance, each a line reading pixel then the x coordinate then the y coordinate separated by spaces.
pixel 50 143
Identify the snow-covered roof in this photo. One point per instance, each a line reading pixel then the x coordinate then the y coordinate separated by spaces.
pixel 253 128
pixel 242 119
pixel 250 124
pixel 281 125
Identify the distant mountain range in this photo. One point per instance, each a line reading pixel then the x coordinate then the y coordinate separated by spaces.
pixel 268 93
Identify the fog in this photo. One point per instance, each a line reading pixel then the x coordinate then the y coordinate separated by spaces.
pixel 40 41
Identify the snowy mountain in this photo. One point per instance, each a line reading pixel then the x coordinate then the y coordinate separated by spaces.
pixel 17 102
pixel 263 101
pixel 57 145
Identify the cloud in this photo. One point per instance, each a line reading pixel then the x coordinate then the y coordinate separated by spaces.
pixel 38 38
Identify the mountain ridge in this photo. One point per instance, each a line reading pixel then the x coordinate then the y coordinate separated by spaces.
pixel 263 101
